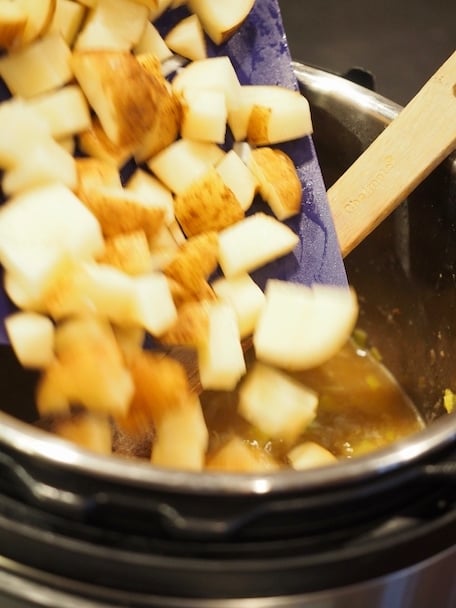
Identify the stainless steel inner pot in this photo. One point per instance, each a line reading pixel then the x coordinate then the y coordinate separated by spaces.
pixel 132 535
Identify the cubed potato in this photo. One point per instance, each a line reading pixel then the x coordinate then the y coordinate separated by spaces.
pixel 220 21
pixel 239 178
pixel 65 110
pixel 276 404
pixel 204 115
pixel 152 42
pixel 96 144
pixel 152 193
pixel 120 211
pixel 207 205
pixel 309 455
pixel 38 67
pixel 183 162
pixel 302 327
pixel 113 24
pixel 194 262
pixel 253 242
pixel 50 215
pixel 87 431
pixel 246 298
pixel 181 438
pixel 126 113
pixel 129 253
pixel 187 39
pixel 221 359
pixel 88 370
pixel 278 179
pixel 31 336
pixel 160 384
pixel 191 327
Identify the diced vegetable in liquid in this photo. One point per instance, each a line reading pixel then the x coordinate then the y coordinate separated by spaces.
pixel 361 408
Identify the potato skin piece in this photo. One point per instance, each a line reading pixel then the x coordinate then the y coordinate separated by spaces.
pixel 160 384
pixel 128 252
pixel 168 113
pixel 194 262
pixel 122 93
pixel 208 204
pixel 279 183
pixel 191 327
pixel 120 213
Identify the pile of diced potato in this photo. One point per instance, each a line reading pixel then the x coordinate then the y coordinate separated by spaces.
pixel 94 264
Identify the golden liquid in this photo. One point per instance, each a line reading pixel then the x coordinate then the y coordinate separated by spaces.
pixel 361 408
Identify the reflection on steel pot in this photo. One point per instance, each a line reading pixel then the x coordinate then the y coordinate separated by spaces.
pixel 89 532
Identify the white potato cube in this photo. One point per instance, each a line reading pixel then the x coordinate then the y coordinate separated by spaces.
pixel 88 370
pixel 31 336
pixel 152 192
pixel 50 215
pixel 41 165
pixel 302 327
pixel 221 359
pixel 253 242
pixel 87 431
pixel 276 404
pixel 31 270
pixel 309 455
pixel 182 438
pixel 153 307
pixel 216 73
pixel 65 110
pixel 268 114
pixel 221 19
pixel 37 68
pixel 183 162
pixel 204 115
pixel 22 128
pixel 187 39
pixel 68 18
pixel 151 42
pixel 246 298
pixel 113 24
pixel 238 177
pixel 91 288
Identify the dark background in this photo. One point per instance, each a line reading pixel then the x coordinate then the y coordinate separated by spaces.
pixel 401 42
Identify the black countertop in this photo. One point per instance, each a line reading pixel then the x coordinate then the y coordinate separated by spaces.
pixel 401 42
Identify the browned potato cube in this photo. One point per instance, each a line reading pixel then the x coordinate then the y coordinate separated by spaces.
pixel 207 205
pixel 122 93
pixel 129 252
pixel 279 183
pixel 87 431
pixel 120 211
pixel 95 143
pixel 194 262
pixel 160 384
pixel 237 456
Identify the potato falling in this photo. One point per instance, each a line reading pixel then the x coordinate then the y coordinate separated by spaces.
pixel 98 262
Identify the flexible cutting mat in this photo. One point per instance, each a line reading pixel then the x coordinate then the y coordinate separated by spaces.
pixel 260 55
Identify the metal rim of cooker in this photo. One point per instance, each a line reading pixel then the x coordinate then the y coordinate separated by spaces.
pixel 51 451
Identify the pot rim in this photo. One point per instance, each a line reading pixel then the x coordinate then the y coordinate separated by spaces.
pixel 46 449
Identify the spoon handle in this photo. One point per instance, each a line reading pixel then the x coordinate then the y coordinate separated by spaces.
pixel 413 144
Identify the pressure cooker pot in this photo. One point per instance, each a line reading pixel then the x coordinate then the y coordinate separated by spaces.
pixel 84 531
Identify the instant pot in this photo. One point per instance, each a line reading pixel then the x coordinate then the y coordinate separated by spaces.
pixel 83 531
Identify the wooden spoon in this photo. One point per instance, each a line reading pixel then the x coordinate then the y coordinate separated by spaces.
pixel 414 143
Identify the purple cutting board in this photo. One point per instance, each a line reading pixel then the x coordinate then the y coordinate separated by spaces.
pixel 260 55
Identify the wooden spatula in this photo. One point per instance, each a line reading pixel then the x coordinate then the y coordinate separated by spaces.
pixel 422 135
